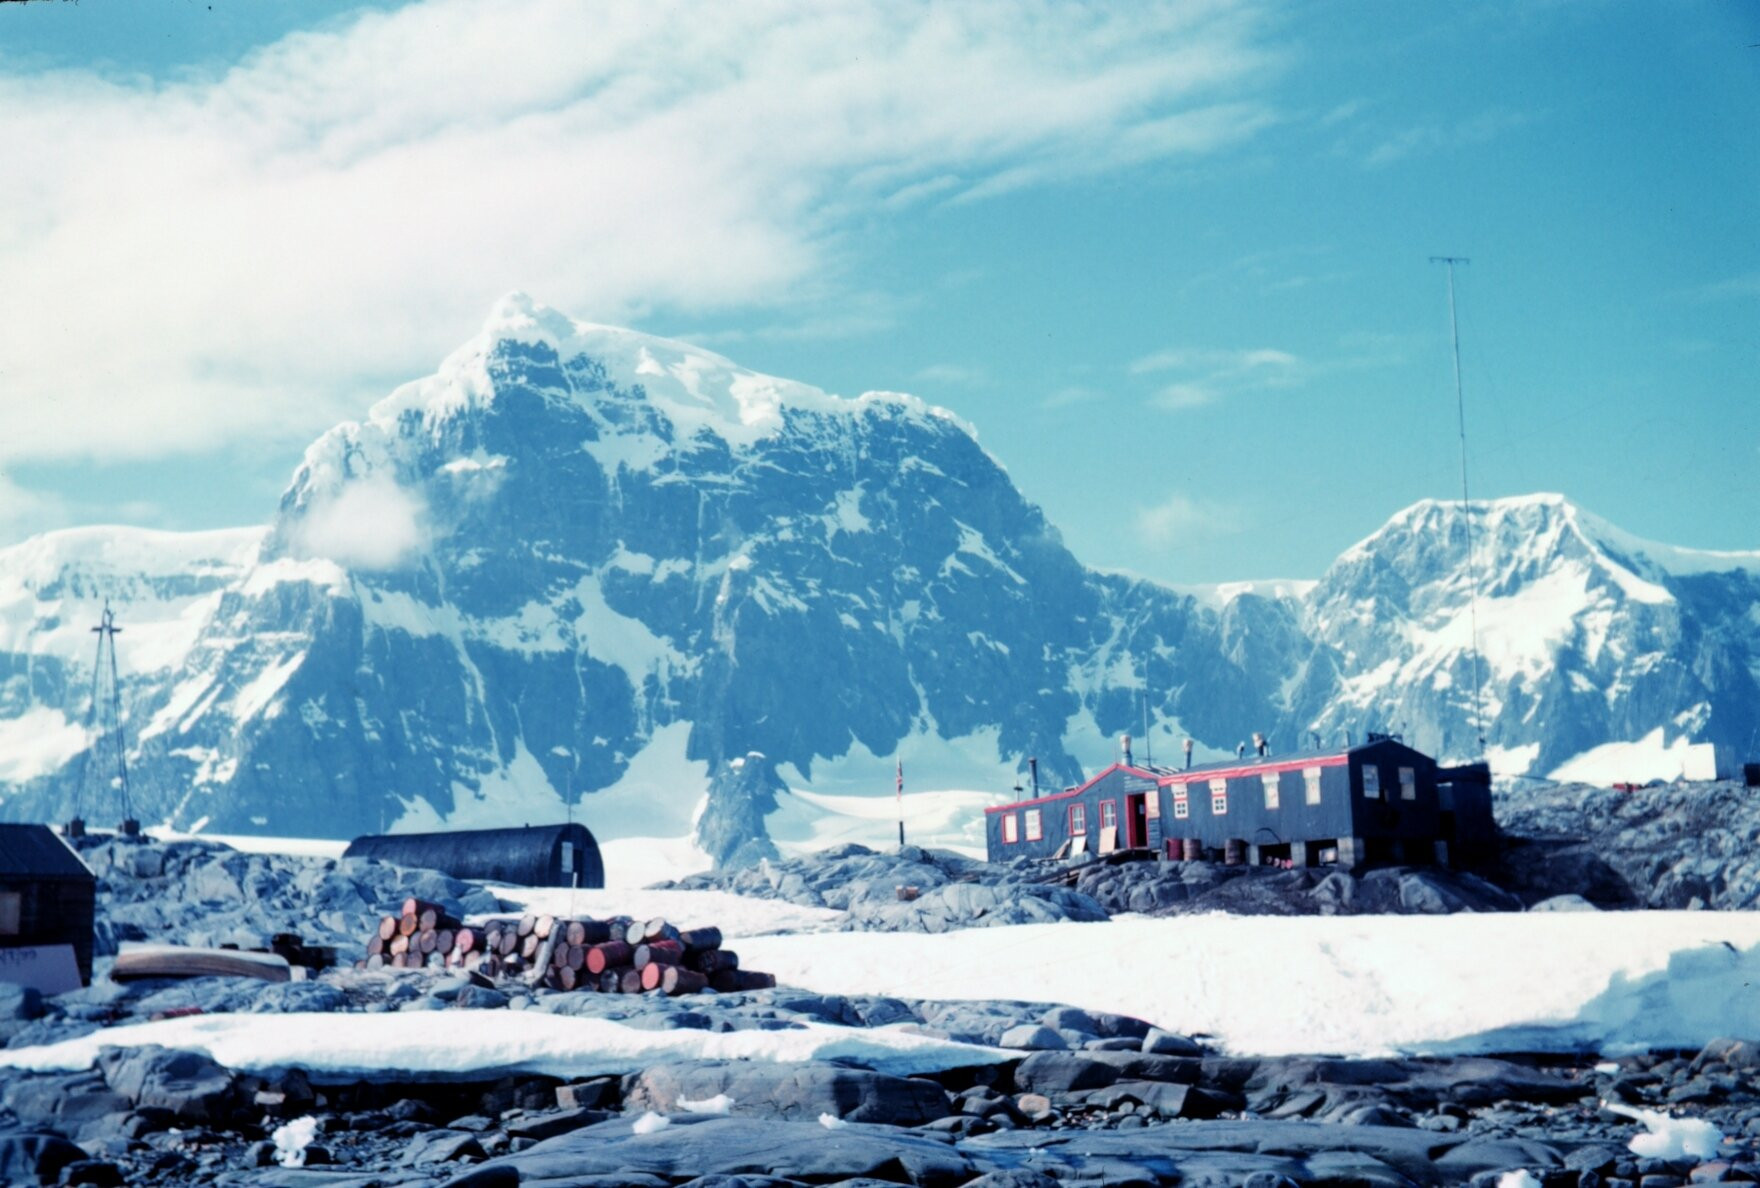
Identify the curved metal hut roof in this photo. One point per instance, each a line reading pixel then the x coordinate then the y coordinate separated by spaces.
pixel 530 856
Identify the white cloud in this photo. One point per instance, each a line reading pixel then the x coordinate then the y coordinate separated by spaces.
pixel 24 511
pixel 254 254
pixel 368 523
pixel 1206 376
pixel 1179 519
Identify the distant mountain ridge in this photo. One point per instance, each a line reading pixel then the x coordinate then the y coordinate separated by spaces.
pixel 583 563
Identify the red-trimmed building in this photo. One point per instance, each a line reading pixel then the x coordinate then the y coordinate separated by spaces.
pixel 1381 801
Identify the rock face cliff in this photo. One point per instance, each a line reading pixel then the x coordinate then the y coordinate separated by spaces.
pixel 584 564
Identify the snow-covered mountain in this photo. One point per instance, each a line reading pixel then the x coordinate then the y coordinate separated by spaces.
pixel 584 564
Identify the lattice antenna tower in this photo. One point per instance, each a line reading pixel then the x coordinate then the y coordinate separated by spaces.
pixel 1460 407
pixel 108 762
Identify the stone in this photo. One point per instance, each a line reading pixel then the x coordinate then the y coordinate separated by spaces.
pixel 544 1126
pixel 436 1146
pixel 1165 1043
pixel 100 1173
pixel 791 1091
pixel 190 1085
pixel 1032 1036
pixel 35 1158
pixel 1035 1106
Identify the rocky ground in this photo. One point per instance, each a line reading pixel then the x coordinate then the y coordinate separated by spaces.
pixel 1087 1099
pixel 1667 846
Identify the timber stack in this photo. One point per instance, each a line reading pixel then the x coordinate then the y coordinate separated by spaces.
pixel 614 956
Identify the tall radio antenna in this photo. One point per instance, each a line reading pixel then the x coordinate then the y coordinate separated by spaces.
pixel 107 762
pixel 1460 406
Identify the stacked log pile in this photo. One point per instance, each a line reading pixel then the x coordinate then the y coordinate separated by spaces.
pixel 614 956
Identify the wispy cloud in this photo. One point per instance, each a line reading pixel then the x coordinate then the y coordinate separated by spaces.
pixel 1420 139
pixel 962 375
pixel 1204 376
pixel 1071 395
pixel 1180 519
pixel 254 253
pixel 1744 287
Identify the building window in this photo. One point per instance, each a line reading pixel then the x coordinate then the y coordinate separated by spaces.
pixel 1182 808
pixel 1035 830
pixel 1011 829
pixel 1311 777
pixel 1109 814
pixel 1271 803
pixel 1408 783
pixel 1219 798
pixel 1371 781
pixel 1078 819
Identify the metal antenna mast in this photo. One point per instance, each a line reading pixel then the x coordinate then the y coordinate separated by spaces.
pixel 1460 405
pixel 109 755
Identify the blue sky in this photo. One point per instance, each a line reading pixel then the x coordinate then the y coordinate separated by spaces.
pixel 1172 261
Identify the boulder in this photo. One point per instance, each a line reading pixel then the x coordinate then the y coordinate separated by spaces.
pixel 189 1085
pixel 35 1158
pixel 790 1091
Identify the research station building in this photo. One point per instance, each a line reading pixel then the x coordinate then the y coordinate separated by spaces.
pixel 1380 801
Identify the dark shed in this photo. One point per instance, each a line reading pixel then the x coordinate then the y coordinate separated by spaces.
pixel 530 856
pixel 47 894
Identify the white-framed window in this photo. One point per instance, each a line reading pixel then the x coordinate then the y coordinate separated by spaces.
pixel 1408 783
pixel 1035 827
pixel 1078 820
pixel 1311 780
pixel 1109 814
pixel 1182 807
pixel 1271 801
pixel 1371 781
pixel 1011 829
pixel 1219 797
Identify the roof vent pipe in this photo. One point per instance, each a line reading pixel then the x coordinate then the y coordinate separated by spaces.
pixel 1124 748
pixel 1240 750
pixel 1260 746
pixel 1033 766
pixel 1188 754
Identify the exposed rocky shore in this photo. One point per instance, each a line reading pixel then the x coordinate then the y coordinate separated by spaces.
pixel 1077 1097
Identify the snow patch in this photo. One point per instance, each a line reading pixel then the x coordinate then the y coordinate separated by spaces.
pixel 37 742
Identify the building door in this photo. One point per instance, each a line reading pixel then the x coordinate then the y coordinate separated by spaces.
pixel 1136 821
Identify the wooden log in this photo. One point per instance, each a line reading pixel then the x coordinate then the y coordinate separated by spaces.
pixel 427 941
pixel 399 945
pixel 575 957
pixel 659 952
pixel 582 933
pixel 415 907
pixel 729 981
pixel 528 945
pixel 510 941
pixel 444 940
pixel 609 955
pixel 643 931
pixel 630 982
pixel 652 975
pixel 700 938
pixel 408 925
pixel 565 978
pixel 375 961
pixel 375 945
pixel 676 980
pixel 543 926
pixel 387 927
pixel 527 922
pixel 713 960
pixel 465 939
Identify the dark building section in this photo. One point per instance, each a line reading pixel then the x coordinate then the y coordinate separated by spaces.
pixel 1381 801
pixel 47 894
pixel 531 856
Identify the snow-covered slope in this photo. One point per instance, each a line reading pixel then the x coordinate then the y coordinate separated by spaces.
pixel 583 563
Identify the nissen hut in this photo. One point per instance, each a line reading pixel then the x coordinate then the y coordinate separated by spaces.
pixel 1380 801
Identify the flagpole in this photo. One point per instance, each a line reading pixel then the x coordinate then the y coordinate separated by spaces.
pixel 901 804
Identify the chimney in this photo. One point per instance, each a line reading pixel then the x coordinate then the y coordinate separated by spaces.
pixel 1188 754
pixel 1124 748
pixel 1033 766
pixel 1240 750
pixel 1260 746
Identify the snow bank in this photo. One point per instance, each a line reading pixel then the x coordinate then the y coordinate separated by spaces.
pixel 345 1047
pixel 735 915
pixel 1354 985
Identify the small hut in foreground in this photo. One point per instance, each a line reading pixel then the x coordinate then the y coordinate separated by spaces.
pixel 529 856
pixel 48 898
